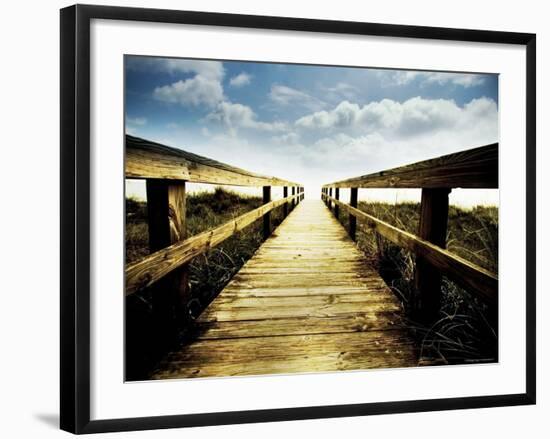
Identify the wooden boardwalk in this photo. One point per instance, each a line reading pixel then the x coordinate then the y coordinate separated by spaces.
pixel 307 301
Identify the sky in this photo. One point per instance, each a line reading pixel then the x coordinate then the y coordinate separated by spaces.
pixel 311 124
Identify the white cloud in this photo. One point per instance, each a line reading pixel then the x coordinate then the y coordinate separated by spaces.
pixel 465 80
pixel 194 91
pixel 208 69
pixel 283 95
pixel 240 80
pixel 204 88
pixel 322 155
pixel 139 121
pixel 351 140
pixel 234 116
pixel 343 115
pixel 413 117
pixel 290 138
pixel 342 89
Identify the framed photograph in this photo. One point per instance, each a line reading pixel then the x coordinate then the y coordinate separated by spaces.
pixel 268 218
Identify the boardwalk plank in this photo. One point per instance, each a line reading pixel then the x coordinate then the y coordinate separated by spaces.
pixel 352 322
pixel 290 354
pixel 307 301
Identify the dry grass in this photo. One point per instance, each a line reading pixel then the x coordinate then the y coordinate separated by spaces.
pixel 462 333
pixel 211 271
pixel 208 273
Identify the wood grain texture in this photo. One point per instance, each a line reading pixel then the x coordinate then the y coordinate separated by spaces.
pixel 474 168
pixel 432 227
pixel 352 225
pixel 146 159
pixel 307 301
pixel 266 192
pixel 470 276
pixel 336 207
pixel 148 270
pixel 285 206
pixel 166 226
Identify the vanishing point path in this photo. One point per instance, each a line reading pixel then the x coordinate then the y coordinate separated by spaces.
pixel 307 301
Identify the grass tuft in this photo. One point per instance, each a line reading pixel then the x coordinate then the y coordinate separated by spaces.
pixel 208 273
pixel 462 333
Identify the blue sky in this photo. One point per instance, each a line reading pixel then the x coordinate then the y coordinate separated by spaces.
pixel 312 124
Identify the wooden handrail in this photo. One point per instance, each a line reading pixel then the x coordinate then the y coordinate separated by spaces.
pixel 463 272
pixel 473 168
pixel 151 268
pixel 150 160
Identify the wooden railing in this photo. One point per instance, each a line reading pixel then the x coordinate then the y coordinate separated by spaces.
pixel 166 171
pixel 475 168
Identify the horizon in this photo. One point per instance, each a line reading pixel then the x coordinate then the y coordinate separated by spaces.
pixel 311 124
pixel 458 197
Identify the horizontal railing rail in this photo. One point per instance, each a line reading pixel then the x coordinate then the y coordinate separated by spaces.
pixel 474 168
pixel 463 272
pixel 147 160
pixel 164 271
pixel 151 268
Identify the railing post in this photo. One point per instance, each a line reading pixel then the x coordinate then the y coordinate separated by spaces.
pixel 352 219
pixel 434 212
pixel 336 207
pixel 285 206
pixel 167 225
pixel 267 216
pixel 293 200
pixel 330 195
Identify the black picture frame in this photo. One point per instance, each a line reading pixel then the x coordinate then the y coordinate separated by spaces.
pixel 75 217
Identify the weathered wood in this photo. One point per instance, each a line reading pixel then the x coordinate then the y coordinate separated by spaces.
pixel 150 160
pixel 298 309
pixel 285 206
pixel 330 195
pixel 267 215
pixel 336 207
pixel 237 290
pixel 463 272
pixel 302 304
pixel 342 323
pixel 148 270
pixel 166 224
pixel 473 168
pixel 290 354
pixel 434 213
pixel 352 218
